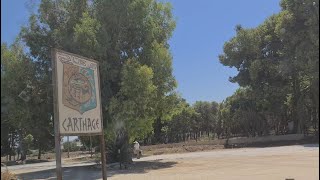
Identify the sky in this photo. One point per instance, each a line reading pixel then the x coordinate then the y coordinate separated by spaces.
pixel 203 26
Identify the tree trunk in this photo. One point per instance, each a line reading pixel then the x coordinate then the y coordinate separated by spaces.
pixel 22 149
pixel 11 146
pixel 122 144
pixel 23 154
pixel 39 153
pixel 157 126
pixel 296 96
pixel 196 136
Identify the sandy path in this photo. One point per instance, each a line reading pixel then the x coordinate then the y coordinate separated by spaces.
pixel 297 162
pixel 272 163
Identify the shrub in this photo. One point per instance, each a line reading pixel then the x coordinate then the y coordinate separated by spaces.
pixel 71 145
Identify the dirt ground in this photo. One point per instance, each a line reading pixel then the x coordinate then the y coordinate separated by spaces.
pixel 298 162
pixel 184 147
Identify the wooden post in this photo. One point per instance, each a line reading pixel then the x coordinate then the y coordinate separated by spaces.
pixel 68 146
pixel 90 146
pixel 102 142
pixel 103 158
pixel 58 157
pixel 56 117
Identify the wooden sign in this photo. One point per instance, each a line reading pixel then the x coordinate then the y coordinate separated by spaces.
pixel 77 101
pixel 78 94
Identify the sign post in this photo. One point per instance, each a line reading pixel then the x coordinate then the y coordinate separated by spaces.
pixel 77 101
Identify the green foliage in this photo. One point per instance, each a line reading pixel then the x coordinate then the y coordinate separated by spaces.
pixel 133 104
pixel 87 141
pixel 279 62
pixel 128 38
pixel 72 146
pixel 240 115
pixel 207 117
pixel 85 33
pixel 28 139
pixel 182 124
pixel 17 72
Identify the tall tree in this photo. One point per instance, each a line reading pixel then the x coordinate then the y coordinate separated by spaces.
pixel 279 61
pixel 17 73
pixel 125 36
pixel 298 29
pixel 133 105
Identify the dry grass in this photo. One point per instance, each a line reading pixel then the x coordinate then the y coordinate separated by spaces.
pixel 208 145
pixel 7 175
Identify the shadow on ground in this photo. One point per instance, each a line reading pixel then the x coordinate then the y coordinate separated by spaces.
pixel 29 161
pixel 73 173
pixel 93 173
pixel 311 145
pixel 141 167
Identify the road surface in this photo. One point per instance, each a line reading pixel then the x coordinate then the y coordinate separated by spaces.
pixel 298 162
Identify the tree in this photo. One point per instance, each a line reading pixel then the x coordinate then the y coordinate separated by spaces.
pixel 299 31
pixel 240 115
pixel 134 105
pixel 183 125
pixel 278 60
pixel 27 141
pixel 207 115
pixel 16 74
pixel 72 146
pixel 112 32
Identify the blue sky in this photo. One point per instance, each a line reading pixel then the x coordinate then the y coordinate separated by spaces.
pixel 202 28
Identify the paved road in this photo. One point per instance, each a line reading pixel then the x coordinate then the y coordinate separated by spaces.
pixel 278 163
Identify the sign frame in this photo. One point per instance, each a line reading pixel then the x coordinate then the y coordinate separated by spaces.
pixel 57 133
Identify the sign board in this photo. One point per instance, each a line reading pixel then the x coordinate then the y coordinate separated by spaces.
pixel 77 94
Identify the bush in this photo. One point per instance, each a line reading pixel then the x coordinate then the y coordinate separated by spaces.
pixel 29 152
pixel 71 145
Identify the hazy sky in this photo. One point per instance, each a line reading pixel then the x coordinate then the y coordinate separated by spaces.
pixel 202 28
